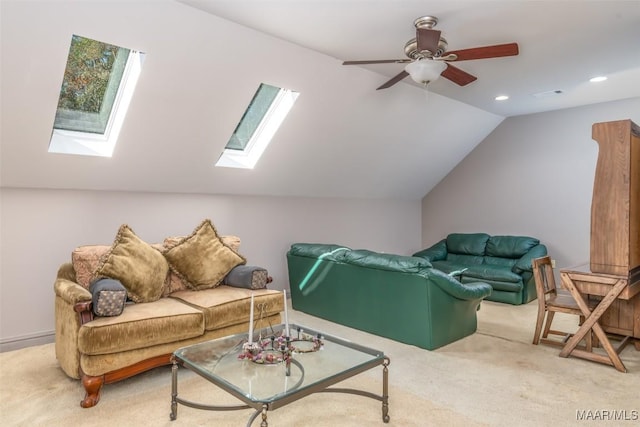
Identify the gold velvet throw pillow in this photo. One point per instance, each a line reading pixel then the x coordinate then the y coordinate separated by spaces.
pixel 140 268
pixel 201 259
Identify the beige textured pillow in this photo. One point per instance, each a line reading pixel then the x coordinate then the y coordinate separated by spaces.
pixel 173 283
pixel 201 259
pixel 232 241
pixel 85 260
pixel 136 264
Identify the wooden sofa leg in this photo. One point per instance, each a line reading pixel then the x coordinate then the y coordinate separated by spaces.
pixel 92 387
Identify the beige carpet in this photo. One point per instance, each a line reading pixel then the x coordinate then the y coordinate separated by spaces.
pixel 495 377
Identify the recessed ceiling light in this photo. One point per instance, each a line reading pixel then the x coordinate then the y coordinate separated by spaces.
pixel 502 98
pixel 598 79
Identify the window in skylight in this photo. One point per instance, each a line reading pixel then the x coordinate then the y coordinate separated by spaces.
pixel 264 115
pixel 97 88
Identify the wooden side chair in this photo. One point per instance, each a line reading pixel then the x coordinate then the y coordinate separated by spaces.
pixel 550 301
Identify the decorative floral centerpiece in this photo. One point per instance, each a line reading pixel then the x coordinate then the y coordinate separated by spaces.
pixel 276 348
pixel 268 351
pixel 306 343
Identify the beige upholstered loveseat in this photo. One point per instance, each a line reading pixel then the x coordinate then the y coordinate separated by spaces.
pixel 178 293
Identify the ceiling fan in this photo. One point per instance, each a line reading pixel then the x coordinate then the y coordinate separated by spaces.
pixel 429 58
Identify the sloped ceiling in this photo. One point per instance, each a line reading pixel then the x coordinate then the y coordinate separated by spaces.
pixel 341 139
pixel 562 43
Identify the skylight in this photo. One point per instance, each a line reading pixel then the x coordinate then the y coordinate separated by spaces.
pixel 262 118
pixel 96 90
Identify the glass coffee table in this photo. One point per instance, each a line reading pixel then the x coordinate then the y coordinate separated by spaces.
pixel 273 377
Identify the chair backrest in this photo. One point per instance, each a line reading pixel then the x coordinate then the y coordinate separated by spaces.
pixel 543 276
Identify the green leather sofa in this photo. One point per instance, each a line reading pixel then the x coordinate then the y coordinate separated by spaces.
pixel 399 297
pixel 504 262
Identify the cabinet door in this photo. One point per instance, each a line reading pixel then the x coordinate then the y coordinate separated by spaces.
pixel 634 207
pixel 615 245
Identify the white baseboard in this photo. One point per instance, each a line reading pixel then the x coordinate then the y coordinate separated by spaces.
pixel 16 343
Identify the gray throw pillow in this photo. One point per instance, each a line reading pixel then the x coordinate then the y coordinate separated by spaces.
pixel 247 276
pixel 108 297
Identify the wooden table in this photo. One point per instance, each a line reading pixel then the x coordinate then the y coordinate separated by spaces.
pixel 611 290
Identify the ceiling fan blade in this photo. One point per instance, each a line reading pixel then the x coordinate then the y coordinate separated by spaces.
pixel 496 51
pixel 458 76
pixel 427 39
pixel 394 80
pixel 377 61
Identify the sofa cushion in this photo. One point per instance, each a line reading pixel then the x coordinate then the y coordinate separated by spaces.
pixel 108 297
pixel 232 241
pixel 510 246
pixel 141 268
pixel 497 285
pixel 464 259
pixel 85 260
pixel 247 276
pixel 226 305
pixel 501 262
pixel 467 243
pixel 140 326
pixel 174 283
pixel 487 272
pixel 201 259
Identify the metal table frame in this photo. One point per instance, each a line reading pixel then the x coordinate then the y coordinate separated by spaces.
pixel 262 407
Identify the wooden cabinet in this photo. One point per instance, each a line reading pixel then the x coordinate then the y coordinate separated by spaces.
pixel 615 207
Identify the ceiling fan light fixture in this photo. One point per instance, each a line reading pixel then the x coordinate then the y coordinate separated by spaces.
pixel 429 58
pixel 424 71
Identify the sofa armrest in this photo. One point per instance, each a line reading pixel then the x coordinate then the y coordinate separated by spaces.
pixel 463 291
pixel 524 263
pixel 71 292
pixel 437 252
pixel 72 310
pixel 76 296
pixel 85 311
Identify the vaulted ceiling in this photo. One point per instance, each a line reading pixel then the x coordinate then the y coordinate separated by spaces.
pixel 343 138
pixel 562 43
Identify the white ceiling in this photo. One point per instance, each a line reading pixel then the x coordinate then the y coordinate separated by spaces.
pixel 562 43
pixel 342 138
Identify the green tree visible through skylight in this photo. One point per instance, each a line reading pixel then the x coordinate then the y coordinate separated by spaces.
pixel 91 80
pixel 96 90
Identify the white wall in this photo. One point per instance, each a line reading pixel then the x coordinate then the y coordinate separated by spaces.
pixel 533 175
pixel 40 228
pixel 342 138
